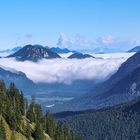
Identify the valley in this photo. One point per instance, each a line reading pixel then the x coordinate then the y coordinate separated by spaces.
pixel 54 87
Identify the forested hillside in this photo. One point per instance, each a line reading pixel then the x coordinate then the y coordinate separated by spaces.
pixel 120 122
pixel 21 120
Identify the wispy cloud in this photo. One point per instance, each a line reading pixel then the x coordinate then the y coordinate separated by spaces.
pixel 81 42
pixel 67 70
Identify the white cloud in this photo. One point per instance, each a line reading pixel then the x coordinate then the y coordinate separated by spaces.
pixel 3 54
pixel 67 70
pixel 64 41
pixel 135 42
pixel 65 55
pixel 106 42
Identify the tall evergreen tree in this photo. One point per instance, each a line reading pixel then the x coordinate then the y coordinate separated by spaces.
pixel 31 111
pixel 59 133
pixel 67 132
pixel 38 134
pixel 28 130
pixel 50 125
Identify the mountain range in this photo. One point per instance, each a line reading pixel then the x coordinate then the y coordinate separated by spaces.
pixel 52 93
pixel 121 87
pixel 59 50
pixel 34 53
pixel 54 49
pixel 37 52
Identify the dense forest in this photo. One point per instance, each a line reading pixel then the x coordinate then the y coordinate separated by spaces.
pixel 121 122
pixel 20 120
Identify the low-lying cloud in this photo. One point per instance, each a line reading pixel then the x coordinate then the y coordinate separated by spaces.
pixel 66 70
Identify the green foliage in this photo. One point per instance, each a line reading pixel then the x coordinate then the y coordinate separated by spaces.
pixel 27 122
pixel 28 130
pixel 5 132
pixel 2 130
pixel 67 132
pixel 79 137
pixel 31 111
pixel 121 122
pixel 56 130
pixel 13 136
pixel 38 134
pixel 50 125
pixel 59 133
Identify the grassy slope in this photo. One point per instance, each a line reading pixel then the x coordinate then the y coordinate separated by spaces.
pixel 18 135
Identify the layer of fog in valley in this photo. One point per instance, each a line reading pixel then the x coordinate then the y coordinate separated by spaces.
pixel 63 79
pixel 68 70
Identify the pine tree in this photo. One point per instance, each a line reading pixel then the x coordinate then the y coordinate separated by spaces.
pixel 38 134
pixel 50 125
pixel 12 120
pixel 3 98
pixel 38 113
pixel 28 130
pixel 2 87
pixel 67 132
pixel 31 111
pixel 59 134
pixel 22 103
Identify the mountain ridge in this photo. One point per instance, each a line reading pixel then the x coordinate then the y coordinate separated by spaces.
pixel 135 49
pixel 18 78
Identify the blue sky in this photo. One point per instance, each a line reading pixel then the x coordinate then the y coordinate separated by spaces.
pixel 42 21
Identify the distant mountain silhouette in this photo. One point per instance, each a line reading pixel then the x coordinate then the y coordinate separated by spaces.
pixel 59 50
pixel 80 56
